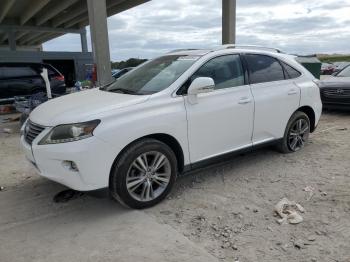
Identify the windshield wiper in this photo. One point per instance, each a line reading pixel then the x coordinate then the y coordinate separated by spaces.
pixel 123 91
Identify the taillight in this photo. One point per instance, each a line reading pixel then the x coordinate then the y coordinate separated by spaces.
pixel 59 78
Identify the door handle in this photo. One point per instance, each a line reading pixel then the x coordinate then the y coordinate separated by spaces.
pixel 292 92
pixel 244 100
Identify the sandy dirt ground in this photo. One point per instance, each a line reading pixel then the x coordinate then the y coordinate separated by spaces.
pixel 225 210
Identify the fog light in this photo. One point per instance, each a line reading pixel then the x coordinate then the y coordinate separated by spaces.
pixel 71 165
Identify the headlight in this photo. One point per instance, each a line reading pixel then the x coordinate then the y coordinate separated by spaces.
pixel 70 133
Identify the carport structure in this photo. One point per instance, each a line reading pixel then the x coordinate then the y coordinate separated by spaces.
pixel 29 23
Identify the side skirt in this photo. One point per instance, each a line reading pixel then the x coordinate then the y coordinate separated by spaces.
pixel 225 157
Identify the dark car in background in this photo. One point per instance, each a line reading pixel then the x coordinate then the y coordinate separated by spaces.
pixel 335 90
pixel 121 72
pixel 21 79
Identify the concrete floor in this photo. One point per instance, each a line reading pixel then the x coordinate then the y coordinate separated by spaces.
pixel 34 228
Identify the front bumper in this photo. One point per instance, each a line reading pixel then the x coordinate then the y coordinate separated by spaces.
pixel 337 98
pixel 93 157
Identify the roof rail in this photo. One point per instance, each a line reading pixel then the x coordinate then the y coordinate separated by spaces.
pixel 232 46
pixel 183 49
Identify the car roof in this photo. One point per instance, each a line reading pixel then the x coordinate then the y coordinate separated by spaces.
pixel 190 52
pixel 236 48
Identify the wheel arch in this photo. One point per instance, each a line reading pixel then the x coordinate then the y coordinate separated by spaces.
pixel 311 114
pixel 162 137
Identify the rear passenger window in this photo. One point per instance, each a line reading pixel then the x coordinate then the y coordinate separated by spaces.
pixel 13 72
pixel 226 71
pixel 264 68
pixel 291 72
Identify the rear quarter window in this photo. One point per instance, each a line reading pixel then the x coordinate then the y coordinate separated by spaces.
pixel 291 73
pixel 263 68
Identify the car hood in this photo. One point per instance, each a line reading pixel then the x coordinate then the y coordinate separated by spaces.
pixel 337 82
pixel 81 106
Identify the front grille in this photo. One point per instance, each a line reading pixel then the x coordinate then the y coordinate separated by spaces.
pixel 343 93
pixel 31 131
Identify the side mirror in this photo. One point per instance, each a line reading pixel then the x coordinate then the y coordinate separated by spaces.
pixel 200 85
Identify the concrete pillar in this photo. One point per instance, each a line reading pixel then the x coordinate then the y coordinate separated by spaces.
pixel 228 22
pixel 12 40
pixel 83 39
pixel 99 40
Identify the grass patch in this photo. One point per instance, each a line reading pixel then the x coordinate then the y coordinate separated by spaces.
pixel 335 58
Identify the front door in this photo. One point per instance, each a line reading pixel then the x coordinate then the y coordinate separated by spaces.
pixel 222 120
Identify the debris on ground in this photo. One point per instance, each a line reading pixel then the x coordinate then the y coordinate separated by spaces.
pixel 289 211
pixel 342 129
pixel 310 190
pixel 2 188
pixel 298 243
pixel 10 119
pixel 7 130
pixel 67 195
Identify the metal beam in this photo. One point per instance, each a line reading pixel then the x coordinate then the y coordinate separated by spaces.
pixel 32 10
pixel 228 21
pixel 21 34
pixel 43 38
pixel 25 39
pixel 76 10
pixel 124 5
pixel 115 8
pixel 76 20
pixel 5 7
pixel 53 9
pixel 83 19
pixel 99 40
pixel 38 29
pixel 84 46
pixel 47 38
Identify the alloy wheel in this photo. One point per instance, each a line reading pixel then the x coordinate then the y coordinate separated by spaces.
pixel 298 134
pixel 148 176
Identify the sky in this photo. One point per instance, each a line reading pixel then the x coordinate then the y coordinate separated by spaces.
pixel 156 27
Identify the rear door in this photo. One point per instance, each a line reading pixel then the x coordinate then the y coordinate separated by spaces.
pixel 222 120
pixel 276 96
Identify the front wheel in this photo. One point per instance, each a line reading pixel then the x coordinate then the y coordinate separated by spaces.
pixel 296 134
pixel 144 174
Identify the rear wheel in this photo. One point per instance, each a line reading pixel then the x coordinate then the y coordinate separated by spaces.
pixel 144 174
pixel 296 134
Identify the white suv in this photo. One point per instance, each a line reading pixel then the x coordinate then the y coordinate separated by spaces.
pixel 170 115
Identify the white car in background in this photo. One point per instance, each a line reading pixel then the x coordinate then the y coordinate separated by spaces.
pixel 170 115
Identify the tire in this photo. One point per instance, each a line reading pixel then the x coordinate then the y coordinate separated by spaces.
pixel 295 137
pixel 146 166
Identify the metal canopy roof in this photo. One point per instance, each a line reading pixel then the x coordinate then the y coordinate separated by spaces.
pixel 36 21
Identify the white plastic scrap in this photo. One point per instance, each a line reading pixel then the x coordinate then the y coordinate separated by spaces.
pixel 310 190
pixel 289 211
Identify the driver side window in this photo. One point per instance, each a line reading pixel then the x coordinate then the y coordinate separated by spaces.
pixel 226 71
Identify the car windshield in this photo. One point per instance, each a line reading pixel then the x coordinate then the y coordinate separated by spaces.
pixel 345 72
pixel 153 76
